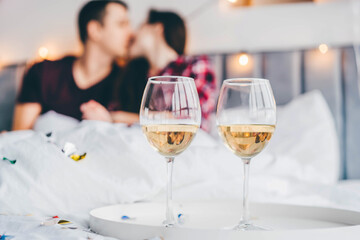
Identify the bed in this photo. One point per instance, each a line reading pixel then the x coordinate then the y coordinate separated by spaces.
pixel 121 167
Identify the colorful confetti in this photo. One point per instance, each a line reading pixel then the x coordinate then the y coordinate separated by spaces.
pixel 181 218
pixel 70 151
pixel 51 138
pixel 54 220
pixel 127 218
pixel 10 161
pixel 6 237
pixel 69 148
pixel 64 222
pixel 76 157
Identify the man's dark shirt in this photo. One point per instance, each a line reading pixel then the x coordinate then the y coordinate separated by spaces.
pixel 51 83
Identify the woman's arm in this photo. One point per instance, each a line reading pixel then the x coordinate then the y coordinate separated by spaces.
pixel 93 110
pixel 124 117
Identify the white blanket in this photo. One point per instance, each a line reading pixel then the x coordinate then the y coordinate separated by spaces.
pixel 120 166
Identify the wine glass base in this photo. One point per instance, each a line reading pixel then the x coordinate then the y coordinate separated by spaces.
pixel 246 226
pixel 169 224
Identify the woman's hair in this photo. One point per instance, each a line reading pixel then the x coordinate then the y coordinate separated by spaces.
pixel 130 88
pixel 174 28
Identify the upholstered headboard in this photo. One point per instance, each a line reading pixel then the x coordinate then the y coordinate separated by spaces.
pixel 290 72
pixel 10 81
pixel 294 72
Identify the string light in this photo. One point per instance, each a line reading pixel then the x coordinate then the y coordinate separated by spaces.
pixel 323 48
pixel 43 52
pixel 243 59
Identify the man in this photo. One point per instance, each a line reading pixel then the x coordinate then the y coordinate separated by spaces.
pixel 69 86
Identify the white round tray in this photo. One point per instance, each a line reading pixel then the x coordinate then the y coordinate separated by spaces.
pixel 211 220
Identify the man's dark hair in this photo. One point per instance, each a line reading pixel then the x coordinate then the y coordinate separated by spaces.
pixel 174 28
pixel 93 10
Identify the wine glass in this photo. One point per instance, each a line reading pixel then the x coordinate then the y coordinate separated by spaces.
pixel 246 118
pixel 170 116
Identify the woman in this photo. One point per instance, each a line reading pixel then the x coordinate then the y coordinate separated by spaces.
pixel 161 41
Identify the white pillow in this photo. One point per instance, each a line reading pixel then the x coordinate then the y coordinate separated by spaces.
pixel 305 145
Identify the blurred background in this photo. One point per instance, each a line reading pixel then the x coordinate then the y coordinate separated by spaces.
pixel 298 45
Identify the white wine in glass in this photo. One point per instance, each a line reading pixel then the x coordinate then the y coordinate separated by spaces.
pixel 170 140
pixel 170 116
pixel 246 141
pixel 246 118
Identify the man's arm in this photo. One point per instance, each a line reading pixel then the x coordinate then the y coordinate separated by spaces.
pixel 25 115
pixel 124 117
pixel 28 104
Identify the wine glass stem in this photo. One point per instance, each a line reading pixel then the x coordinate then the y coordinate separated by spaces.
pixel 245 212
pixel 169 208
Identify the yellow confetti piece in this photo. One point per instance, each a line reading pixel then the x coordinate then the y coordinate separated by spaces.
pixel 77 157
pixel 64 222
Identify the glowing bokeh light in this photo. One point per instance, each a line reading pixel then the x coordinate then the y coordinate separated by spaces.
pixel 43 52
pixel 323 48
pixel 243 59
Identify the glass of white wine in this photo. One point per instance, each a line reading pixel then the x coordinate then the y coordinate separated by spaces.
pixel 246 118
pixel 170 116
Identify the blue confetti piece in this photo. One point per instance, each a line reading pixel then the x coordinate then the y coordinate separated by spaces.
pixel 124 217
pixel 181 218
pixel 6 237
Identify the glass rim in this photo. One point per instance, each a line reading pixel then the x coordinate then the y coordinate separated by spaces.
pixel 158 79
pixel 245 81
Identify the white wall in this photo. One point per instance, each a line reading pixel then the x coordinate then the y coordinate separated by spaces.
pixel 276 27
pixel 27 25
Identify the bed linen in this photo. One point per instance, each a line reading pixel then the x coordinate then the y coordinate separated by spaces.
pixel 300 166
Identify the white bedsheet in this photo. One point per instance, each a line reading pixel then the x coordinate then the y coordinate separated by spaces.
pixel 299 165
